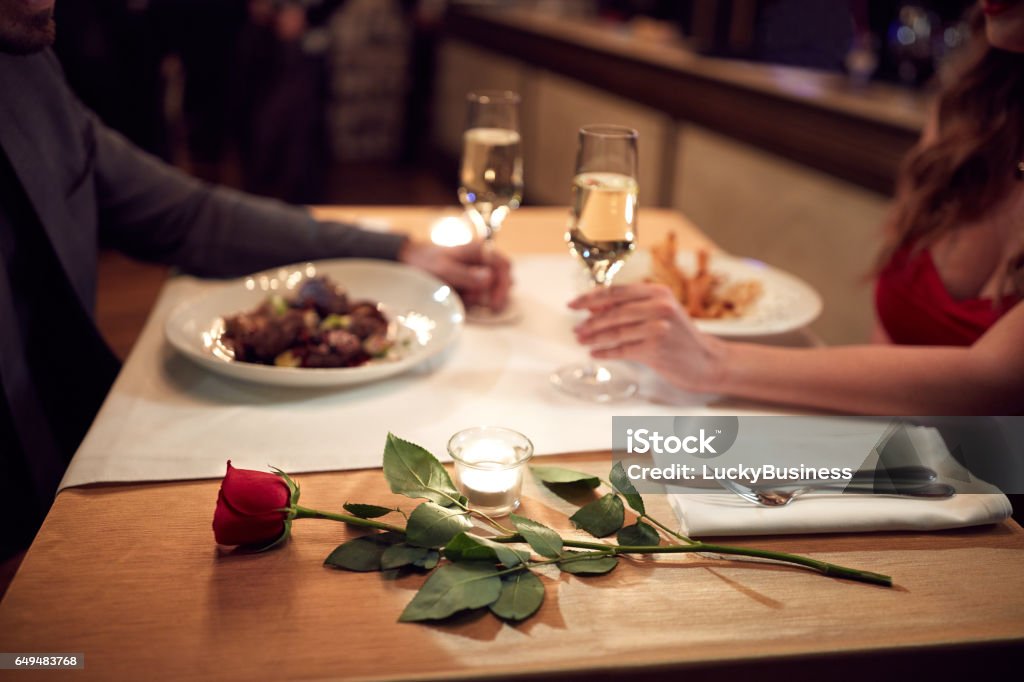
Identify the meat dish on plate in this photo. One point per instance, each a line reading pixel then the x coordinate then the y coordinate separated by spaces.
pixel 318 327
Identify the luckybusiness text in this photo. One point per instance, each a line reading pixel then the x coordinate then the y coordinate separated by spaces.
pixel 763 472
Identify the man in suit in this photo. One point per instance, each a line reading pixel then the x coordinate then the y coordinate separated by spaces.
pixel 68 184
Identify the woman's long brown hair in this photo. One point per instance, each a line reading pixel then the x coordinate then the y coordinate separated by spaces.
pixel 968 168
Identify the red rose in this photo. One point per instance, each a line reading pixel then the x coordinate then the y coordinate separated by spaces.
pixel 249 508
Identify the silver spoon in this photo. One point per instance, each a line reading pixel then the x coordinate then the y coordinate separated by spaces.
pixel 767 497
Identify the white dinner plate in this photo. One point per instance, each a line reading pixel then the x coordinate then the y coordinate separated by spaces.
pixel 786 303
pixel 427 316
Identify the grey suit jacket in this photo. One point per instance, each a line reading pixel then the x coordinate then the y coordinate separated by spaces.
pixel 87 185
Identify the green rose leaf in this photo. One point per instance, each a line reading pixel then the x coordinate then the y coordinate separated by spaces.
pixel 521 595
pixel 542 539
pixel 429 561
pixel 366 511
pixel 412 471
pixel 598 565
pixel 560 476
pixel 431 525
pixel 363 553
pixel 465 547
pixel 402 554
pixel 640 534
pixel 601 517
pixel 620 481
pixel 453 588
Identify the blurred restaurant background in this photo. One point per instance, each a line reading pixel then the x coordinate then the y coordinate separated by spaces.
pixel 777 126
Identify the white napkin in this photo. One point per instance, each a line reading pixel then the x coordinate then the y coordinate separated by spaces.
pixel 724 513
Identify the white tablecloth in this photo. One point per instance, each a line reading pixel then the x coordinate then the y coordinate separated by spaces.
pixel 168 419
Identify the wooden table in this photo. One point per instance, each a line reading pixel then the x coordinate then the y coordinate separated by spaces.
pixel 130 576
pixel 528 230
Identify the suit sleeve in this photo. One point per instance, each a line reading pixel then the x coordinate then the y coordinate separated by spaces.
pixel 155 212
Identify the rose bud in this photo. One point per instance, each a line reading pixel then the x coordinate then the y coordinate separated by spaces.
pixel 253 508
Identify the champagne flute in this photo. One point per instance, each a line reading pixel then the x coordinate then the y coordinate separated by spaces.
pixel 491 174
pixel 602 234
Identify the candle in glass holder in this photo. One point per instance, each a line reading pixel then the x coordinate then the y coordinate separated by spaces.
pixel 489 463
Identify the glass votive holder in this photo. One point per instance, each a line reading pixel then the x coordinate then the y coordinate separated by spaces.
pixel 489 466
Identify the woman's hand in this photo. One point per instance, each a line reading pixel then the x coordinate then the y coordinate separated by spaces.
pixel 644 322
pixel 482 276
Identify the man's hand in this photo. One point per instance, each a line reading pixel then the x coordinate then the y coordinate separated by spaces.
pixel 482 276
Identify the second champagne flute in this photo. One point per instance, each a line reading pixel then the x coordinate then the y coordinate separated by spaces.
pixel 602 233
pixel 491 175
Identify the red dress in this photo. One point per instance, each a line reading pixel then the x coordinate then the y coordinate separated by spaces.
pixel 915 308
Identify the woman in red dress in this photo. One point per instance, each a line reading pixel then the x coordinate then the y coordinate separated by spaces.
pixel 951 328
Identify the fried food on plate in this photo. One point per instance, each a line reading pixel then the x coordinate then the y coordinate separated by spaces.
pixel 704 294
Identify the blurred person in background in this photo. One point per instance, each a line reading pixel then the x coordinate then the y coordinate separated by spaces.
pixel 948 289
pixel 280 98
pixel 233 91
pixel 68 184
pixel 284 89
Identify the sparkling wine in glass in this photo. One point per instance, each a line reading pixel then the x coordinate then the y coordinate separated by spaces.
pixel 491 173
pixel 602 233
